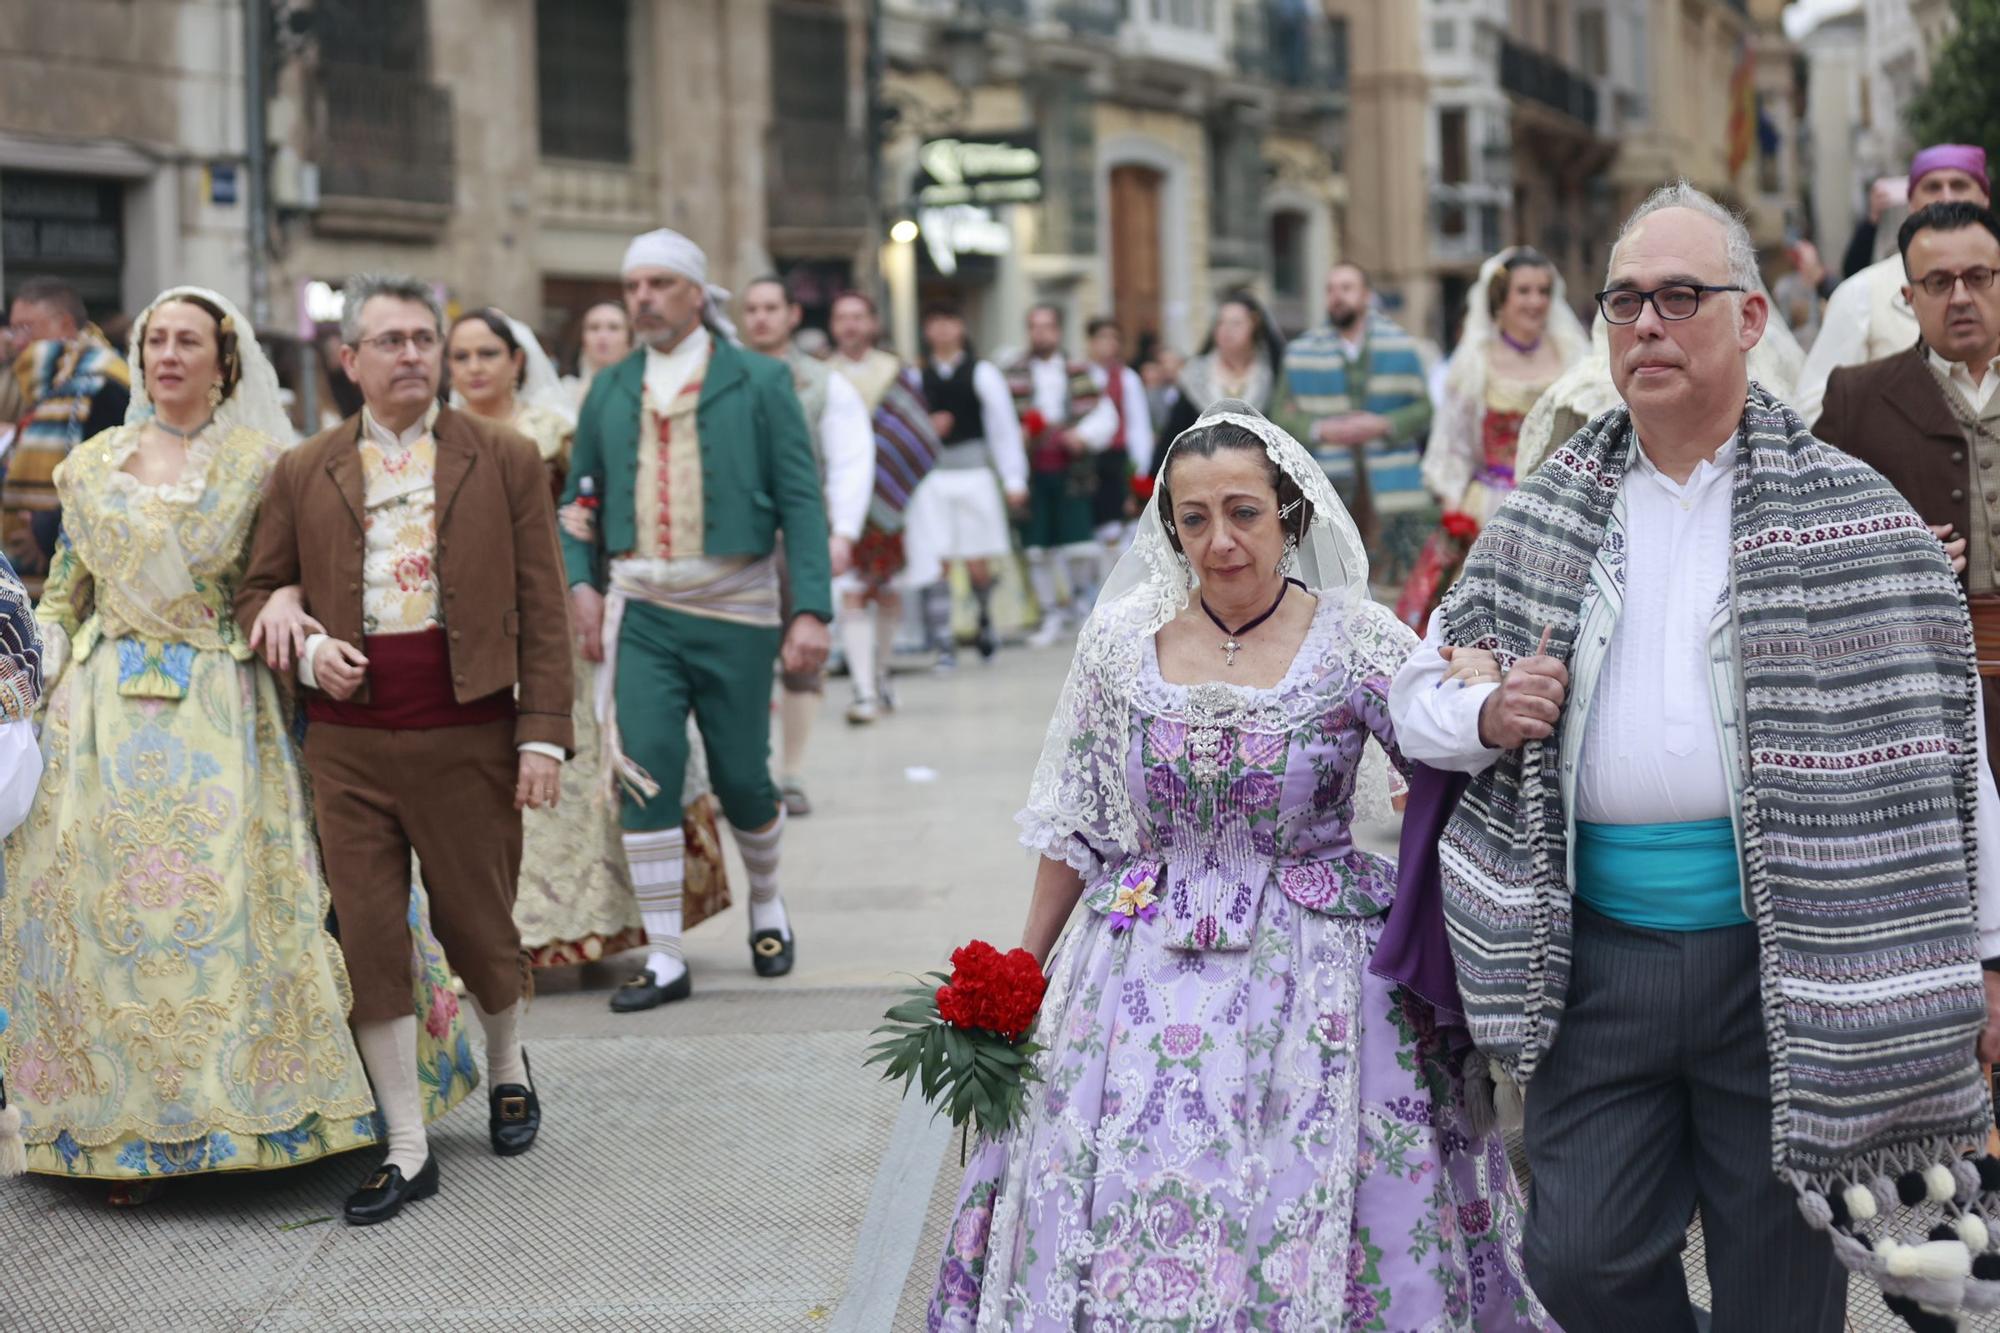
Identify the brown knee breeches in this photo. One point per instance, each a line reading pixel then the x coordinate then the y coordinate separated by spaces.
pixel 446 793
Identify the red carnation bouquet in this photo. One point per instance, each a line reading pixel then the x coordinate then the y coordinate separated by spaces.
pixel 1142 487
pixel 964 1036
pixel 1033 424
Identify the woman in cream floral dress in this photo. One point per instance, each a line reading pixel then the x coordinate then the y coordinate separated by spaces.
pixel 575 902
pixel 177 1002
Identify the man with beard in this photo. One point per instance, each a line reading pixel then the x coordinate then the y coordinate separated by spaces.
pixel 844 447
pixel 698 456
pixel 1354 393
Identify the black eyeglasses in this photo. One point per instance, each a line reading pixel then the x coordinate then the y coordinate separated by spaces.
pixel 1939 282
pixel 1680 300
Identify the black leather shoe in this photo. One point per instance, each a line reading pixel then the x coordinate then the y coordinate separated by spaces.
pixel 988 642
pixel 642 992
pixel 771 952
pixel 514 1115
pixel 383 1194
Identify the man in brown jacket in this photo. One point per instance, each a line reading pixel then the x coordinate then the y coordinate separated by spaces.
pixel 422 541
pixel 1928 419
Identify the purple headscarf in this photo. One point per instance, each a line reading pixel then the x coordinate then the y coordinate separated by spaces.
pixel 1965 157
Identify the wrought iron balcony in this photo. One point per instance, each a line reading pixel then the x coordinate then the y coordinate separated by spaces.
pixel 383 136
pixel 1091 18
pixel 1294 50
pixel 1528 74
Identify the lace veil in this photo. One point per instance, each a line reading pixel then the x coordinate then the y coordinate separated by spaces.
pixel 257 403
pixel 540 385
pixel 1079 809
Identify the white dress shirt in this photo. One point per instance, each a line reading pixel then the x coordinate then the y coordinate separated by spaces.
pixel 1847 334
pixel 1959 376
pixel 1051 377
pixel 1000 427
pixel 1650 751
pixel 847 448
pixel 1138 414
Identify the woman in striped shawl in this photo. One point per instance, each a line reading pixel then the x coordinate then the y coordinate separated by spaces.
pixel 1711 890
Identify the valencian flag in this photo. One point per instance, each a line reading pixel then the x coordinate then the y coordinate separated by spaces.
pixel 1742 109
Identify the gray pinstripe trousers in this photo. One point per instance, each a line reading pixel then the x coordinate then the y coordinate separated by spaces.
pixel 1654 1100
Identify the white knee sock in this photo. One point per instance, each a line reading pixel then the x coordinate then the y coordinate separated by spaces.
pixel 796 716
pixel 1042 578
pixel 1082 565
pixel 503 1043
pixel 658 861
pixel 887 614
pixel 857 640
pixel 389 1054
pixel 760 861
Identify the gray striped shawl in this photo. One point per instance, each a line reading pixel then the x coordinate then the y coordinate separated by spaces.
pixel 1856 678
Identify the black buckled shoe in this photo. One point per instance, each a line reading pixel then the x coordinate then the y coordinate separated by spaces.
pixel 383 1194
pixel 514 1115
pixel 772 952
pixel 642 992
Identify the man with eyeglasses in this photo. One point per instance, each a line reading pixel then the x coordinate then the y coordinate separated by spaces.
pixel 1710 887
pixel 1929 420
pixel 422 542
pixel 1868 317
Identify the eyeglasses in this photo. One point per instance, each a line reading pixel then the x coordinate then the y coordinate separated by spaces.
pixel 1680 300
pixel 1939 282
pixel 393 343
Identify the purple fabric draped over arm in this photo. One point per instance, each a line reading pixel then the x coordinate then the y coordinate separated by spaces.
pixel 1415 951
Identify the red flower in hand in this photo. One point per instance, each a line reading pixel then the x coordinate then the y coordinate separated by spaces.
pixel 1034 423
pixel 992 991
pixel 1461 525
pixel 1143 488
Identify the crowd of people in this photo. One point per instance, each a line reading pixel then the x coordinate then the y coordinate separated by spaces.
pixel 1679 654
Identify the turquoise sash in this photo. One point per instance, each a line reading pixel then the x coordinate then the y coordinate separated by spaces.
pixel 1661 876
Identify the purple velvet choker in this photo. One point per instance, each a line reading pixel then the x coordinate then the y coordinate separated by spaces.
pixel 1525 349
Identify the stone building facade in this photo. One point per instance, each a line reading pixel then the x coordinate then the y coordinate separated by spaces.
pixel 1179 150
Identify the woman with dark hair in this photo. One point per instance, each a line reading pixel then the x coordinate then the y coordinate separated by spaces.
pixel 1240 360
pixel 574 902
pixel 1520 335
pixel 606 339
pixel 178 1004
pixel 1235 1123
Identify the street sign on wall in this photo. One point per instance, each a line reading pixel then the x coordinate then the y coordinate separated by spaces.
pixel 960 184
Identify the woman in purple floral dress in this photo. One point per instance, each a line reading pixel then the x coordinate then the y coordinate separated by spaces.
pixel 1238 1126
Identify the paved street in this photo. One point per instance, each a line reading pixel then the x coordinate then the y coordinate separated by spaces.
pixel 722 1166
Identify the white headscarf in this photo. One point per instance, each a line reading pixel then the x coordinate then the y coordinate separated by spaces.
pixel 674 252
pixel 1078 805
pixel 1587 390
pixel 256 403
pixel 540 385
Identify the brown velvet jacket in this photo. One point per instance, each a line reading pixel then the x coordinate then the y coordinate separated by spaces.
pixel 498 568
pixel 1892 415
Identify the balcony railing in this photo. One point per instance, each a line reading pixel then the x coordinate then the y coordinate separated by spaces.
pixel 1293 50
pixel 816 176
pixel 1529 74
pixel 383 136
pixel 1091 18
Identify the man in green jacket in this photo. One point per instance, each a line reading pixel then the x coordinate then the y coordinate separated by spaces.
pixel 691 455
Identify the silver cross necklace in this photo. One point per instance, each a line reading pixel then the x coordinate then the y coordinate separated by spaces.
pixel 1232 643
